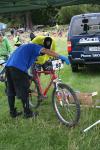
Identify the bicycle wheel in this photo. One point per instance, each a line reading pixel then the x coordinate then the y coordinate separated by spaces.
pixel 66 105
pixel 34 96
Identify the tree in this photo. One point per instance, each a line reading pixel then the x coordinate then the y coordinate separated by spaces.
pixel 65 13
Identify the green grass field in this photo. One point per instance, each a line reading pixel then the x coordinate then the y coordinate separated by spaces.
pixel 46 132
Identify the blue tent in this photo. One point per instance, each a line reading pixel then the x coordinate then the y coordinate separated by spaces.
pixel 3 26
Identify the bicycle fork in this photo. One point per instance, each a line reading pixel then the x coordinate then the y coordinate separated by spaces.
pixel 58 92
pixel 62 95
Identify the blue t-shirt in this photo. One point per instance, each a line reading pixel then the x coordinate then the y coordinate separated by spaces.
pixel 24 56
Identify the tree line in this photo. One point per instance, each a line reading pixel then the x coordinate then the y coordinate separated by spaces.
pixel 50 16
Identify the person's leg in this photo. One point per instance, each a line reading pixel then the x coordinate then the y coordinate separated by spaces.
pixel 27 111
pixel 11 102
pixel 11 95
pixel 22 90
pixel 25 99
pixel 13 111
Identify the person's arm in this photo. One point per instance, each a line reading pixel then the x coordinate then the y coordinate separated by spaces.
pixel 49 52
pixel 56 55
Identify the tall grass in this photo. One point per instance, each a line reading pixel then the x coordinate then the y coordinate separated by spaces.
pixel 46 132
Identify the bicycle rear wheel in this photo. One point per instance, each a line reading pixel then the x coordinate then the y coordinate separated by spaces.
pixel 34 95
pixel 66 105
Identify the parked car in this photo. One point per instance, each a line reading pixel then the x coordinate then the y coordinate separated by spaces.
pixel 84 40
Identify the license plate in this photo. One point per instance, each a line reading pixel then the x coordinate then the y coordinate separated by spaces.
pixel 94 49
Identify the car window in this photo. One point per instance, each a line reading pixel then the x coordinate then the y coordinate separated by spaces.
pixel 80 28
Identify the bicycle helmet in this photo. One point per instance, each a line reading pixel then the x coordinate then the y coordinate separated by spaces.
pixel 47 42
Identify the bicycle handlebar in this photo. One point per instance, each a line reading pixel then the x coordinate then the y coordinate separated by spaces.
pixel 54 64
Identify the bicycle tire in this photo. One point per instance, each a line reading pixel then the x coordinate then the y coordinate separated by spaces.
pixel 68 99
pixel 2 75
pixel 34 96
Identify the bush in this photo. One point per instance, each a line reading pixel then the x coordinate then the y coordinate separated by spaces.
pixel 65 13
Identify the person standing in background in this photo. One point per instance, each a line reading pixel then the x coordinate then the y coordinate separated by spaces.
pixel 5 46
pixel 48 43
pixel 12 31
pixel 32 36
pixel 17 39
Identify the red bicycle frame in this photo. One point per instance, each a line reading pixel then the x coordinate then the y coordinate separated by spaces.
pixel 36 77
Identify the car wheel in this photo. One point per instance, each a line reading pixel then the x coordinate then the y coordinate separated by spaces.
pixel 74 68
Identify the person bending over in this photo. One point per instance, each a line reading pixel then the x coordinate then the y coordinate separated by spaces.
pixel 17 75
pixel 5 46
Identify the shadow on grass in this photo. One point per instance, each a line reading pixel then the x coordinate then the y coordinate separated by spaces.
pixel 90 70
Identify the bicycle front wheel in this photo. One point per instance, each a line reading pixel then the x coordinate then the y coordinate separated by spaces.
pixel 66 105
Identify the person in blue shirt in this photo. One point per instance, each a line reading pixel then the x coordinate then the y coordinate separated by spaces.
pixel 17 75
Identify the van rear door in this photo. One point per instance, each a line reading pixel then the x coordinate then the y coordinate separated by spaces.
pixel 84 35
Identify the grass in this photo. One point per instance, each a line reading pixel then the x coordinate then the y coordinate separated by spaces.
pixel 46 132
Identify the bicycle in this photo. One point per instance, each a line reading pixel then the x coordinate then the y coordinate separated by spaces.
pixel 65 102
pixel 2 68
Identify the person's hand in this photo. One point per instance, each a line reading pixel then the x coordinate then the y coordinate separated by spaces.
pixel 64 58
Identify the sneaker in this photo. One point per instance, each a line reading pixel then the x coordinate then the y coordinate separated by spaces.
pixel 30 114
pixel 14 113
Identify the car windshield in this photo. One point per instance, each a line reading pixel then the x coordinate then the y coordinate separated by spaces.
pixel 90 26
